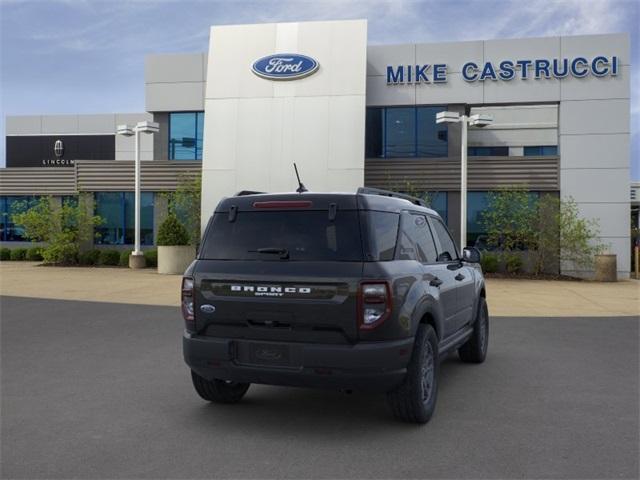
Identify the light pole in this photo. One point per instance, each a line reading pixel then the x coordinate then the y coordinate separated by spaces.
pixel 478 120
pixel 136 259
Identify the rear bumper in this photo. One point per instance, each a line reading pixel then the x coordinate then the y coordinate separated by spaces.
pixel 368 366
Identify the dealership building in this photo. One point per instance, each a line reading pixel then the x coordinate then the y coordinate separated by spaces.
pixel 349 114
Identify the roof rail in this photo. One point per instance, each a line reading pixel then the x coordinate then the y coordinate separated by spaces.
pixel 242 193
pixel 389 193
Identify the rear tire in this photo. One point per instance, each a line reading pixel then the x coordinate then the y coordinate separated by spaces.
pixel 415 399
pixel 475 349
pixel 219 391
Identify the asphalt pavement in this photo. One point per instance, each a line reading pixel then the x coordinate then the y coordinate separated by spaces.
pixel 99 390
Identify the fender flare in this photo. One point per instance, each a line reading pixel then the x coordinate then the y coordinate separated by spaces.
pixel 428 307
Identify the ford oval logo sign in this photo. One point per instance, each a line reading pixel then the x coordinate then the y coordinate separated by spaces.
pixel 285 66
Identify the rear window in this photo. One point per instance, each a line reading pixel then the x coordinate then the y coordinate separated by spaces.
pixel 304 235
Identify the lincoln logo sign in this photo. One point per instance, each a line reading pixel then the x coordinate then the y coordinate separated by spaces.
pixel 506 70
pixel 285 66
pixel 58 148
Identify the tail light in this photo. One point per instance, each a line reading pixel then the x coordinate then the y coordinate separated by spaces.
pixel 187 303
pixel 374 304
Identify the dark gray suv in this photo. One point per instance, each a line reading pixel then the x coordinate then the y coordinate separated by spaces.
pixel 359 291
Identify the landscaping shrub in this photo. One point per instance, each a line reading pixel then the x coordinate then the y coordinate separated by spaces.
pixel 124 258
pixel 490 262
pixel 61 254
pixel 5 254
pixel 172 233
pixel 89 257
pixel 34 254
pixel 151 258
pixel 513 263
pixel 62 228
pixel 185 204
pixel 18 253
pixel 109 257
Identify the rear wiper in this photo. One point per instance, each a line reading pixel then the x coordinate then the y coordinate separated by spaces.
pixel 283 252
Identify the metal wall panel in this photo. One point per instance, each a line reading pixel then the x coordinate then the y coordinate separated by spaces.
pixel 94 176
pixel 156 176
pixel 38 181
pixel 486 173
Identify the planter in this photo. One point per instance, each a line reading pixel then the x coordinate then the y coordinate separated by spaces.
pixel 606 270
pixel 175 260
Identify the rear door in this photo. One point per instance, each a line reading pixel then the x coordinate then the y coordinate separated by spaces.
pixel 417 241
pixel 281 275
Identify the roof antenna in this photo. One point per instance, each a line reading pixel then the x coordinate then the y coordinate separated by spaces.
pixel 301 188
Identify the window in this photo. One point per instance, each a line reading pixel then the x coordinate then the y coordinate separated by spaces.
pixel 303 235
pixel 394 132
pixel 488 151
pixel 383 233
pixel 374 133
pixel 117 212
pixel 9 206
pixel 477 203
pixel 400 127
pixel 416 241
pixel 541 151
pixel 447 248
pixel 185 135
pixel 432 137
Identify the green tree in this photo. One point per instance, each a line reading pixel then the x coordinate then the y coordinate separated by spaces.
pixel 62 228
pixel 410 188
pixel 579 242
pixel 172 233
pixel 509 219
pixel 184 203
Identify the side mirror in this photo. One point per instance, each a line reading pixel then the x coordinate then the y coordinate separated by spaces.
pixel 471 255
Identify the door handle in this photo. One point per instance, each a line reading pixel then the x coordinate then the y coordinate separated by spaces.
pixel 459 277
pixel 435 282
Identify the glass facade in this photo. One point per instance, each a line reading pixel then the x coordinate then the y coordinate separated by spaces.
pixel 117 212
pixel 477 203
pixel 10 205
pixel 438 202
pixel 185 135
pixel 541 151
pixel 488 151
pixel 397 132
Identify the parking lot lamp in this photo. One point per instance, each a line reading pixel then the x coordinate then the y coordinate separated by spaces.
pixel 478 120
pixel 136 259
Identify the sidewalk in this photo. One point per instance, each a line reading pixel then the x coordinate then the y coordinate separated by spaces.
pixel 522 298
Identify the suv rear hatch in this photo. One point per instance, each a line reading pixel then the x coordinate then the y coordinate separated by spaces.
pixel 283 269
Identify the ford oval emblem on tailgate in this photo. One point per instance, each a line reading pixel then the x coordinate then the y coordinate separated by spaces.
pixel 206 308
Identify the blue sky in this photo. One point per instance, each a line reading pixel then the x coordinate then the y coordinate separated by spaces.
pixel 83 56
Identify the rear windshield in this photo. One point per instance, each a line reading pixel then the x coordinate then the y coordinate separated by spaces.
pixel 284 235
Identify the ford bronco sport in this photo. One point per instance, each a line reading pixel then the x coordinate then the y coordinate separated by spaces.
pixel 348 291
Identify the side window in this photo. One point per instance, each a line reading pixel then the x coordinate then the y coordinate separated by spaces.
pixel 416 241
pixel 447 248
pixel 383 232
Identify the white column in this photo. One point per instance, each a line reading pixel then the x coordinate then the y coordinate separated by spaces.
pixel 136 248
pixel 463 184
